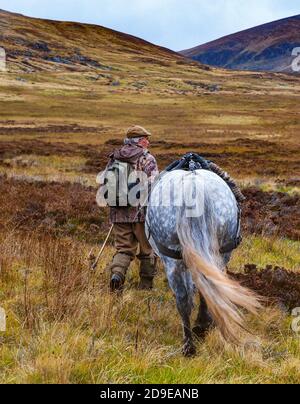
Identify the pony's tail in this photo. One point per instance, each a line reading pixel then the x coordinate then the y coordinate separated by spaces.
pixel 224 297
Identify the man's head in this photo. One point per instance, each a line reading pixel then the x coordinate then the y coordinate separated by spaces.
pixel 139 136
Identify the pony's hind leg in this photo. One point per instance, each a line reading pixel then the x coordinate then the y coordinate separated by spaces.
pixel 204 320
pixel 181 283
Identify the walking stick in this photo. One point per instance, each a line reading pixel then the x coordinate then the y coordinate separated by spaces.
pixel 95 264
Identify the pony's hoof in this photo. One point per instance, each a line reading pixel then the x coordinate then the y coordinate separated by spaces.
pixel 201 332
pixel 189 350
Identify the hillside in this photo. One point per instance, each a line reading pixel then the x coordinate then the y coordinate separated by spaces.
pixel 35 44
pixel 72 82
pixel 267 47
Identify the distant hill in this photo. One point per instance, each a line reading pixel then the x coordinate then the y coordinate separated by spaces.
pixel 73 54
pixel 267 47
pixel 37 44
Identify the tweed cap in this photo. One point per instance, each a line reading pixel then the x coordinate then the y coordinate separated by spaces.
pixel 137 131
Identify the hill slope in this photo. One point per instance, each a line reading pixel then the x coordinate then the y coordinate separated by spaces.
pixel 38 44
pixel 72 82
pixel 264 48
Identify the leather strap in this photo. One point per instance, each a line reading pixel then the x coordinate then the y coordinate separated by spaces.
pixel 167 252
pixel 232 245
pixel 177 254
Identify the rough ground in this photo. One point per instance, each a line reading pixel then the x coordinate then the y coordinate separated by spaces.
pixel 277 285
pixel 273 214
pixel 70 209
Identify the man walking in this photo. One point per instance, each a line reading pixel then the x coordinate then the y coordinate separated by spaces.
pixel 129 221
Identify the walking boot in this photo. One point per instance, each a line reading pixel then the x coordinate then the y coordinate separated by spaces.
pixel 119 267
pixel 147 273
pixel 116 283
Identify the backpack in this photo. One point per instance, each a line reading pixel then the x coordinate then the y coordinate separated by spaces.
pixel 119 180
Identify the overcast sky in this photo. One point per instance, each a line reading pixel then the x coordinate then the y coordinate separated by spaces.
pixel 176 24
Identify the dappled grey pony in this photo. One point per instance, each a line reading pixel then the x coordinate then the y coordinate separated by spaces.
pixel 194 240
